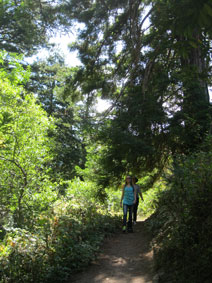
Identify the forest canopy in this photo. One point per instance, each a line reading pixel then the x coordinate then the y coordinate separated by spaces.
pixel 62 162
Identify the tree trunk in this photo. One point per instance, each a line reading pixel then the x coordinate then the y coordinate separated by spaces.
pixel 196 110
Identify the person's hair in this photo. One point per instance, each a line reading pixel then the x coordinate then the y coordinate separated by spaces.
pixel 130 181
pixel 136 179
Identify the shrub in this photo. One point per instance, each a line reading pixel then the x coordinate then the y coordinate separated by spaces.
pixel 182 224
pixel 148 206
pixel 65 239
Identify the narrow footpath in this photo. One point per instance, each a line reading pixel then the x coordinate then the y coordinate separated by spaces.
pixel 125 258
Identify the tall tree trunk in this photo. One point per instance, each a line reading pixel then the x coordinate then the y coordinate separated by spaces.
pixel 196 96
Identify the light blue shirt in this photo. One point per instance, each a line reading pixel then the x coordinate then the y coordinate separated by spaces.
pixel 128 195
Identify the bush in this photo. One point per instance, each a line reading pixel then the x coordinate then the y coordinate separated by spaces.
pixel 66 238
pixel 182 224
pixel 148 206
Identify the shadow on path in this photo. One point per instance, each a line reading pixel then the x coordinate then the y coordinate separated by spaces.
pixel 125 258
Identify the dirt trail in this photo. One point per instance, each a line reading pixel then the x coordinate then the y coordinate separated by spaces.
pixel 125 258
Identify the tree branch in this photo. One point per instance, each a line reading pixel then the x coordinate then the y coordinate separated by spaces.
pixel 19 166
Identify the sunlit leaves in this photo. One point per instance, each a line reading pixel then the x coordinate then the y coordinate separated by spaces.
pixel 24 142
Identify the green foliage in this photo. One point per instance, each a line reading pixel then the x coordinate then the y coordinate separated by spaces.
pixel 22 257
pixel 113 200
pixel 156 78
pixel 24 142
pixel 93 167
pixel 44 236
pixel 25 25
pixel 82 191
pixel 47 76
pixel 47 82
pixel 67 238
pixel 182 221
pixel 151 196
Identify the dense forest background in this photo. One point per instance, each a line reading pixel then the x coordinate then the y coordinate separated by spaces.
pixel 62 162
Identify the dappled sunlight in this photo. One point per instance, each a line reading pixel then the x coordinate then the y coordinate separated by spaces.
pixel 124 258
pixel 91 92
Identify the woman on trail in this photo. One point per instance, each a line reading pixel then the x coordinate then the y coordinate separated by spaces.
pixel 129 198
pixel 138 193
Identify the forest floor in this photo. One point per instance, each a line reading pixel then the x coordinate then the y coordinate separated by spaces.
pixel 124 258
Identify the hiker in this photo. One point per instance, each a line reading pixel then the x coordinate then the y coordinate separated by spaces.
pixel 138 193
pixel 129 198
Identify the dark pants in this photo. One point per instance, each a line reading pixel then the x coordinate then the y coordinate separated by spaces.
pixel 135 209
pixel 127 208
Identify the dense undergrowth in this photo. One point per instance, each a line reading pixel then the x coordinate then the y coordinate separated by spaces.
pixel 182 223
pixel 64 239
pixel 48 228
